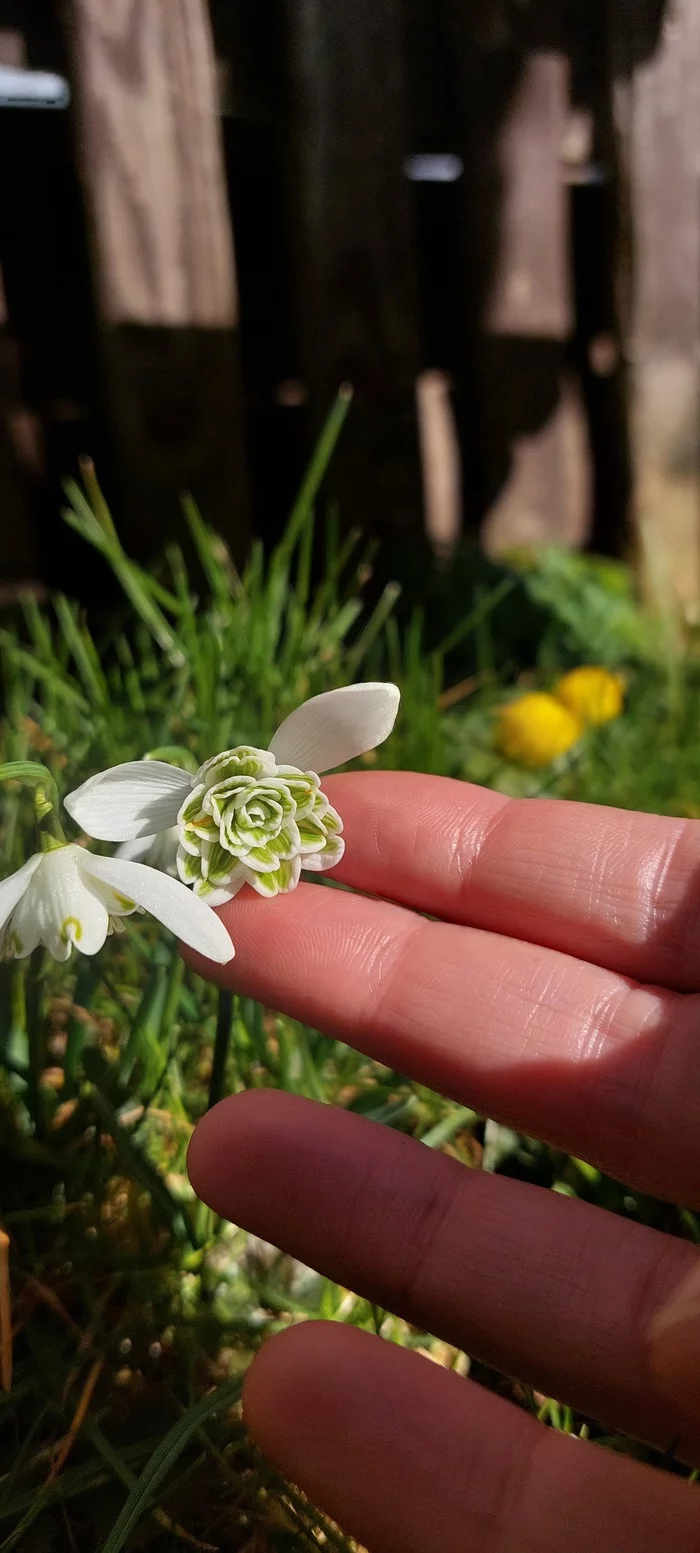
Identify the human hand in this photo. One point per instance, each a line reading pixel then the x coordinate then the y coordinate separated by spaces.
pixel 556 995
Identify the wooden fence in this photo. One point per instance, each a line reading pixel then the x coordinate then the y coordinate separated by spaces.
pixel 485 214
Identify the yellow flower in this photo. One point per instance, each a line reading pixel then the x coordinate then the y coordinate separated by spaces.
pixel 535 729
pixel 593 694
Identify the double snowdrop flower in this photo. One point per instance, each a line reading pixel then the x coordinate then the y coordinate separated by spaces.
pixel 249 815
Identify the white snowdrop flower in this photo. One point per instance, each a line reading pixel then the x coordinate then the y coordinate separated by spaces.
pixel 249 815
pixel 65 896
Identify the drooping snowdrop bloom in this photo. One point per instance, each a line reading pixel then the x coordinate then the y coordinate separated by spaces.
pixel 248 815
pixel 66 896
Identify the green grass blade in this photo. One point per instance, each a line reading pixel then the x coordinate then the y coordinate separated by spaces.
pixel 215 560
pixel 86 982
pixel 443 1131
pixel 93 679
pixel 485 607
pixel 143 1494
pixel 37 624
pixel 63 689
pixel 135 583
pixel 375 625
pixel 80 516
pixel 138 1165
pixel 320 459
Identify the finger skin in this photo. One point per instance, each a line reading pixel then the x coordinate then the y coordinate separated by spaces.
pixel 619 888
pixel 556 1292
pixel 558 1048
pixel 674 1344
pixel 408 1457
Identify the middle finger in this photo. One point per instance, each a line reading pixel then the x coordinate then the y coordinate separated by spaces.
pixel 580 1056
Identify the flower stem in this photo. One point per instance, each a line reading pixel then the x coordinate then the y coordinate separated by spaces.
pixel 51 832
pixel 175 755
pixel 224 1020
pixel 25 1042
pixel 29 773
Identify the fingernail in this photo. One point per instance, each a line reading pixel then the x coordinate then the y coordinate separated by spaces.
pixel 674 1340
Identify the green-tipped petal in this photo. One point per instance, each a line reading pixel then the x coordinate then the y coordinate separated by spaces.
pixel 284 879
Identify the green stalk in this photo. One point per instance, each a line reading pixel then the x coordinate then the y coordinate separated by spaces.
pixel 30 774
pixel 26 1033
pixel 222 1041
pixel 17 1051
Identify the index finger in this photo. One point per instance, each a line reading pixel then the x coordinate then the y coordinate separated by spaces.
pixel 610 886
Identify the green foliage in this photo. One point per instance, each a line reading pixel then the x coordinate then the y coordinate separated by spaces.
pixel 588 600
pixel 122 1281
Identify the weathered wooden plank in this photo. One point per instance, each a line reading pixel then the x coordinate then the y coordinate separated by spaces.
pixel 355 281
pixel 530 291
pixel 534 481
pixel 149 139
pixel 657 101
pixel 440 459
pixel 19 550
pixel 13 47
pixel 546 494
pixel 153 161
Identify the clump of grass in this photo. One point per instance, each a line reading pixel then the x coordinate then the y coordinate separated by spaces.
pixel 135 1311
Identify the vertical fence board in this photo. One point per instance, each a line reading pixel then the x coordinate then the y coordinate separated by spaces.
pixel 20 555
pixel 657 99
pixel 349 208
pixel 530 289
pixel 533 480
pixel 147 98
pixel 153 162
pixel 547 494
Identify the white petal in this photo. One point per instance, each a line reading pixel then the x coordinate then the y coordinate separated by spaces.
pixel 135 851
pixel 169 901
pixel 131 801
pixel 116 904
pixel 66 909
pixel 334 727
pixel 23 932
pixel 12 889
pixel 159 851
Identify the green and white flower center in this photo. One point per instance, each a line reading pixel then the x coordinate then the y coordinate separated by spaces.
pixel 249 819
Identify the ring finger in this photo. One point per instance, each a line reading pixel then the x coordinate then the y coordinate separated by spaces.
pixel 409 1457
pixel 550 1290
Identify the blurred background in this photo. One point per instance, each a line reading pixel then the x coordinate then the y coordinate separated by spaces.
pixel 484 216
